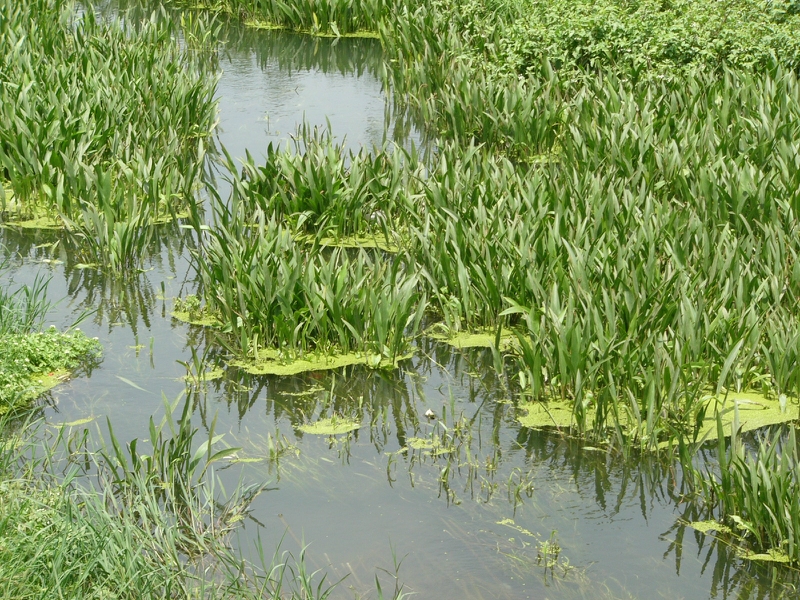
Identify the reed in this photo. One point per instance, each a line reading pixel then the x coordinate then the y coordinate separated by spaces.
pixel 753 493
pixel 318 188
pixel 93 110
pixel 269 291
pixel 155 524
pixel 318 17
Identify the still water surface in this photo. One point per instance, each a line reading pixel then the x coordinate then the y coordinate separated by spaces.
pixel 469 523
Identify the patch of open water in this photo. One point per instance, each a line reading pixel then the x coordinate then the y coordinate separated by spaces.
pixel 470 523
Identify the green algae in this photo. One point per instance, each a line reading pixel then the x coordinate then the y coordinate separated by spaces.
pixel 546 414
pixel 209 375
pixel 771 555
pixel 430 446
pixel 331 426
pixel 483 338
pixel 510 523
pixel 189 310
pixel 14 216
pixel 754 411
pixel 275 362
pixel 79 422
pixel 710 526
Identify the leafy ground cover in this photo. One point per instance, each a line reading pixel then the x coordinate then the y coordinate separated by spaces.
pixel 33 361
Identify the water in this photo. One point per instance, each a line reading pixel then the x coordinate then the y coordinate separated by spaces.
pixel 471 523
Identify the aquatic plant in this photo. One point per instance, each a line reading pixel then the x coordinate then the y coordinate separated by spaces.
pixel 92 109
pixel 754 494
pixel 33 361
pixel 269 292
pixel 323 191
pixel 155 524
pixel 318 17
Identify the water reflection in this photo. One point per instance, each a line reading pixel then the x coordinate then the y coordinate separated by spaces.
pixel 128 301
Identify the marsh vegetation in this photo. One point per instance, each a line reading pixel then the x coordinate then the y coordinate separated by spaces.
pixel 603 209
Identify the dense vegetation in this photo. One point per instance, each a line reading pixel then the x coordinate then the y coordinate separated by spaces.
pixel 103 127
pixel 614 186
pixel 31 360
pixel 155 525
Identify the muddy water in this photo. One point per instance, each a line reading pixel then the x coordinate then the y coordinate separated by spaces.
pixel 492 511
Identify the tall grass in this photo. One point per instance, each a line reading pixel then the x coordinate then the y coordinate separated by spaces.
pixel 320 17
pixel 270 291
pixel 755 492
pixel 97 114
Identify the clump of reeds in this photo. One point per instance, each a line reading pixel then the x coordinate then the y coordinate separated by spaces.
pixel 320 189
pixel 270 291
pixel 318 17
pixel 755 493
pixel 96 114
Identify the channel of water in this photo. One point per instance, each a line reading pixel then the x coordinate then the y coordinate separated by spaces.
pixel 475 519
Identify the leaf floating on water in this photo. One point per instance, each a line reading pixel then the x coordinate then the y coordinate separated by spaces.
pixel 247 459
pixel 79 422
pixel 513 525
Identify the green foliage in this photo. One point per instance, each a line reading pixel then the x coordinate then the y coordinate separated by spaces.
pixel 101 122
pixel 269 291
pixel 23 310
pixel 645 35
pixel 756 493
pixel 155 524
pixel 33 361
pixel 30 363
pixel 318 17
pixel 324 191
